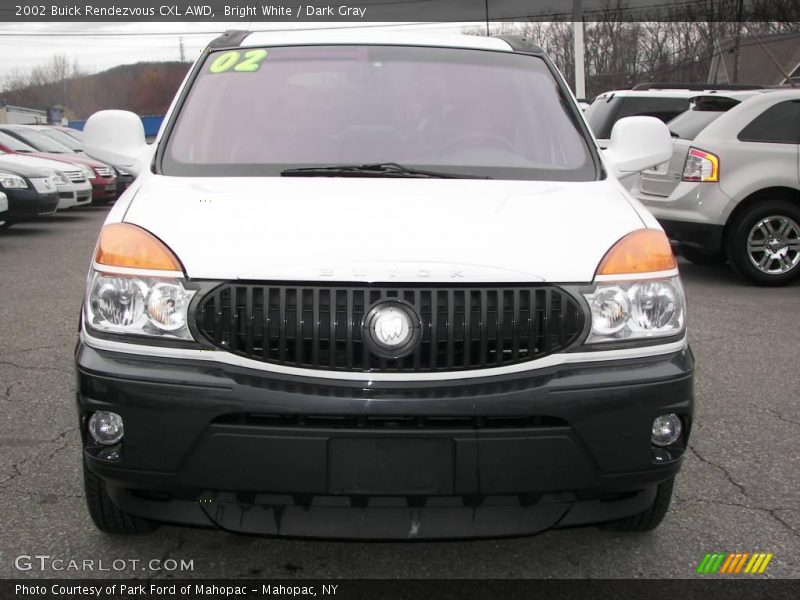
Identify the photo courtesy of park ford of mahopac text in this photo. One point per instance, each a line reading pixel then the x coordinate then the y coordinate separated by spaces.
pixel 399 299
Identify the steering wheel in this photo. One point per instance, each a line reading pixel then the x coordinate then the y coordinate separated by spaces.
pixel 495 141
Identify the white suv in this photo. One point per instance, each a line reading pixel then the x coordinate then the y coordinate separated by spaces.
pixel 732 188
pixel 663 101
pixel 379 286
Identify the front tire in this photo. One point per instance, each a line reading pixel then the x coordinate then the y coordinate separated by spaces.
pixel 649 519
pixel 105 514
pixel 764 243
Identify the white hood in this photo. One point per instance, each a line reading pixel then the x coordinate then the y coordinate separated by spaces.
pixel 404 230
pixel 36 162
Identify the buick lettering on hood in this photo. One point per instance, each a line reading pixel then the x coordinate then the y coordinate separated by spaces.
pixel 380 286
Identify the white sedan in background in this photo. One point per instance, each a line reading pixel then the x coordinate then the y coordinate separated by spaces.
pixel 73 181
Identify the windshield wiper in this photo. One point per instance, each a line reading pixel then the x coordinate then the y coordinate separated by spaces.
pixel 387 169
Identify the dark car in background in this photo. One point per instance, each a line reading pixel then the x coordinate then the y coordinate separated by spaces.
pixel 3 207
pixel 104 181
pixel 30 191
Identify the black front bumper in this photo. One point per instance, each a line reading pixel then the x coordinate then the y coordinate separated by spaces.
pixel 209 444
pixel 123 183
pixel 28 203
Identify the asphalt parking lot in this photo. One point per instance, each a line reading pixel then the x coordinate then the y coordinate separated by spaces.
pixel 738 491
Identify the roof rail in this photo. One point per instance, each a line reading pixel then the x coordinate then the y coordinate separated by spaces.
pixel 520 44
pixel 698 87
pixel 232 37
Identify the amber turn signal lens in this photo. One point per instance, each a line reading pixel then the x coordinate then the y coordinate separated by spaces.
pixel 126 245
pixel 643 251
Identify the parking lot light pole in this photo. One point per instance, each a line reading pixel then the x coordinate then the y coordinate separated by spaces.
pixel 577 36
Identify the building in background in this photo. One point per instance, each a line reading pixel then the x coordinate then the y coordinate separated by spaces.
pixel 19 115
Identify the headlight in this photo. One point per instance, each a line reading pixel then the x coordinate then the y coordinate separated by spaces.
pixel 88 173
pixel 636 310
pixel 12 182
pixel 60 178
pixel 136 305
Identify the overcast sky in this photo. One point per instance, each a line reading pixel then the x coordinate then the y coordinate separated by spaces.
pixel 98 46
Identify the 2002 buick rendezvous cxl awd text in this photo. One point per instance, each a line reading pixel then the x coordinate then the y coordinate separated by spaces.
pixel 380 287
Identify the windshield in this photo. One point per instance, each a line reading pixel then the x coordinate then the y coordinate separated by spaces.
pixel 41 142
pixel 600 115
pixel 478 113
pixel 13 144
pixel 604 113
pixel 62 138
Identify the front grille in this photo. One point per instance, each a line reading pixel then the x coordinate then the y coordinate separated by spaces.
pixel 103 171
pixel 75 176
pixel 319 327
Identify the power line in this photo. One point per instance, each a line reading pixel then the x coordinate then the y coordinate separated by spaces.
pixel 219 31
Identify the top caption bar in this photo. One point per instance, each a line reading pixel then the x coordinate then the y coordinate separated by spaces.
pixel 30 11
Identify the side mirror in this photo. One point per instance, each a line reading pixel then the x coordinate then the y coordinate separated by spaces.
pixel 638 143
pixel 117 137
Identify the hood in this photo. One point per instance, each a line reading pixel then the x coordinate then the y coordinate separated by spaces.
pixel 21 168
pixel 369 230
pixel 27 160
pixel 75 159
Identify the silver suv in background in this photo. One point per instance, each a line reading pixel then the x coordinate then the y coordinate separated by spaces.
pixel 732 188
pixel 665 101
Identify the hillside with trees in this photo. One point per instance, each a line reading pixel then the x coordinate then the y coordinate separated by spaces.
pixel 658 43
pixel 145 88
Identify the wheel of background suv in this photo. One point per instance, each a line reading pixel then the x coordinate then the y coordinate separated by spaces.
pixel 106 516
pixel 650 518
pixel 699 257
pixel 764 243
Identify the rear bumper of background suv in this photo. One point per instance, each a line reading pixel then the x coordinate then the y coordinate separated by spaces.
pixel 694 214
pixel 241 449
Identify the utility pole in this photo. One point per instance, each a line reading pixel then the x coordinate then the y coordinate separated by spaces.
pixel 183 53
pixel 577 37
pixel 736 42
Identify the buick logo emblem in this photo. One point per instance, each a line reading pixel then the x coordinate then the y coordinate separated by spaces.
pixel 391 328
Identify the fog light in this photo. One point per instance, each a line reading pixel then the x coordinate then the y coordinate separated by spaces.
pixel 666 430
pixel 106 428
